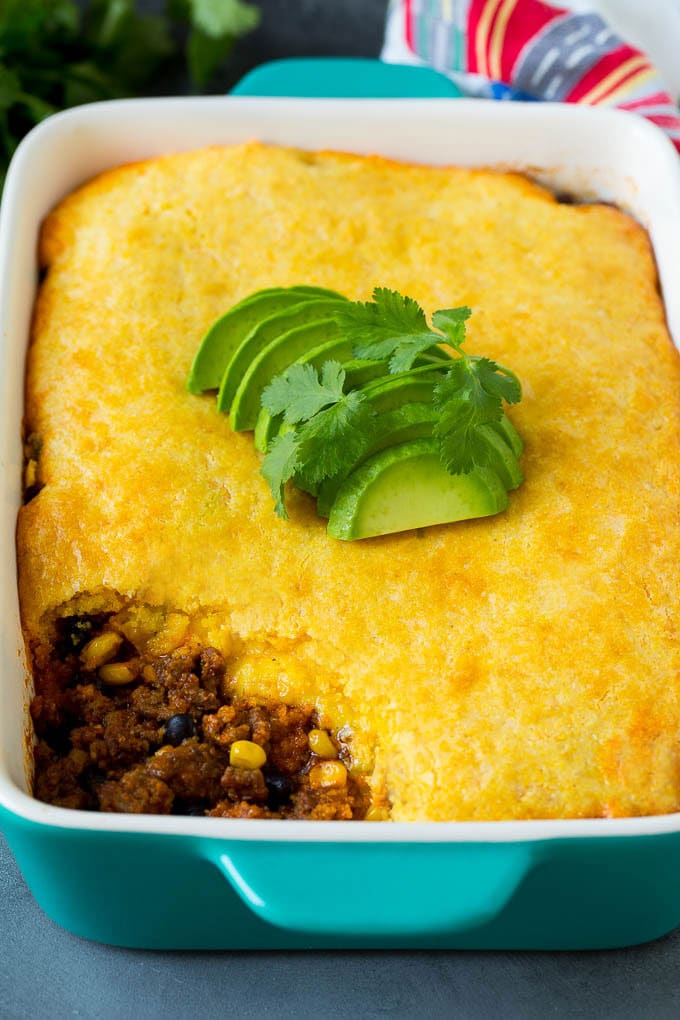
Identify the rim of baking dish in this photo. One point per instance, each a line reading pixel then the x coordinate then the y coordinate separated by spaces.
pixel 282 830
pixel 644 136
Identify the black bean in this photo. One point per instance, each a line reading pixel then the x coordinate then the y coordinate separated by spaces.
pixel 194 810
pixel 280 788
pixel 179 728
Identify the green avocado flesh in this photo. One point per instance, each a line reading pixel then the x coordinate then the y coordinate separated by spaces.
pixel 224 336
pixel 280 353
pixel 263 334
pixel 509 433
pixel 405 487
pixel 501 458
pixel 417 421
pixel 402 425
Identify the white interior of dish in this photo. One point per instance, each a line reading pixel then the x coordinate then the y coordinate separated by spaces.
pixel 592 154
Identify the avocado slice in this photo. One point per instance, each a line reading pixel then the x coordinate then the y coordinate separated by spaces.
pixel 502 460
pixel 402 425
pixel 388 393
pixel 391 391
pixel 358 373
pixel 509 433
pixel 407 487
pixel 278 355
pixel 417 421
pixel 263 334
pixel 224 336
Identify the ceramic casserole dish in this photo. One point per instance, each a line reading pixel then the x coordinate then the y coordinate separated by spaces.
pixel 183 882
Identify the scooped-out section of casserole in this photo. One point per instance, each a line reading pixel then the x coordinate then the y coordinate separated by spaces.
pixel 194 653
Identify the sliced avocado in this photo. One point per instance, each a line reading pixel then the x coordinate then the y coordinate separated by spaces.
pixel 277 356
pixel 358 373
pixel 391 391
pixel 417 421
pixel 224 336
pixel 262 335
pixel 402 425
pixel 267 425
pixel 501 458
pixel 407 487
pixel 509 433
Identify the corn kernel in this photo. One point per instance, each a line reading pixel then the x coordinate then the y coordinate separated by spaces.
pixel 320 743
pixel 328 775
pixel 244 754
pixel 170 635
pixel 116 674
pixel 31 474
pixel 100 649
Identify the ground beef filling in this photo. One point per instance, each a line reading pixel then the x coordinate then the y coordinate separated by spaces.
pixel 175 739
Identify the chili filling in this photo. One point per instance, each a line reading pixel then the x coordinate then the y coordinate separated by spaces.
pixel 168 735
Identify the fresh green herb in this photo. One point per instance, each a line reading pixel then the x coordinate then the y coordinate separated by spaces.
pixel 471 390
pixel 469 396
pixel 56 53
pixel 299 394
pixel 334 439
pixel 278 468
pixel 326 441
pixel 216 24
pixel 390 327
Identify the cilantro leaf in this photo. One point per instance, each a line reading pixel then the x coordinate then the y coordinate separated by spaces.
pixel 329 431
pixel 215 26
pixel 462 382
pixel 455 430
pixel 279 466
pixel 469 397
pixel 299 394
pixel 334 439
pixel 409 350
pixel 391 326
pixel 497 379
pixel 330 442
pixel 451 321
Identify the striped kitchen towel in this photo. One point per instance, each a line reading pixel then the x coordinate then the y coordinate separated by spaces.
pixel 532 50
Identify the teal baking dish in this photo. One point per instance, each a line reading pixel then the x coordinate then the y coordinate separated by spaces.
pixel 180 882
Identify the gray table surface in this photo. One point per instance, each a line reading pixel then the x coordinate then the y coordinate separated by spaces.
pixel 45 972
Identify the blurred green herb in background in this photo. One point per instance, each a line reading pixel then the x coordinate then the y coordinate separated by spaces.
pixel 56 53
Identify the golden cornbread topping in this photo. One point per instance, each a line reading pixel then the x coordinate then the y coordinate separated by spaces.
pixel 522 665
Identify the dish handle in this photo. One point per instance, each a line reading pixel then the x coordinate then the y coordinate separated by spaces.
pixel 373 889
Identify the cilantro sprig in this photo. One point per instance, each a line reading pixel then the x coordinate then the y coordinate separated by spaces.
pixel 471 390
pixel 59 53
pixel 390 328
pixel 327 430
pixel 332 429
